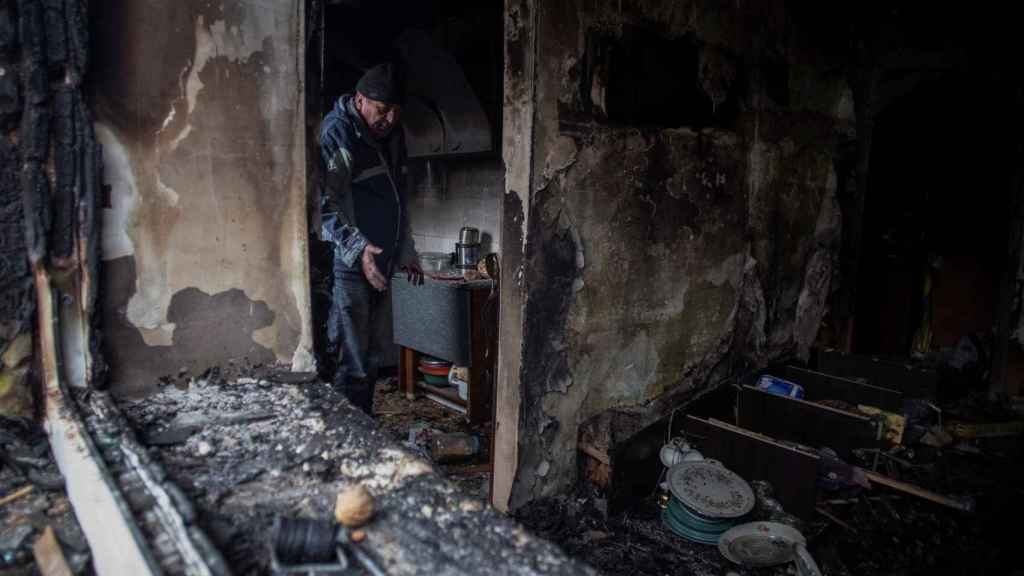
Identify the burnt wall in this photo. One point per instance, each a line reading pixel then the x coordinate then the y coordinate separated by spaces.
pixel 49 176
pixel 17 298
pixel 670 242
pixel 200 110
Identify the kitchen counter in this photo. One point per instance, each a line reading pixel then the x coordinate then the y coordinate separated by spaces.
pixel 454 320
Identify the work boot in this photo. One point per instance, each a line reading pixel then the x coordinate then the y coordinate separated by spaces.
pixel 358 391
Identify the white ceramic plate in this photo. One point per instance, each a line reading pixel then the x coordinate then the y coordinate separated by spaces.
pixel 759 544
pixel 710 489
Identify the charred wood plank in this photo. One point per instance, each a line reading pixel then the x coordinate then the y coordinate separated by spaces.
pixel 77 40
pixel 962 504
pixel 31 32
pixel 805 422
pixel 35 199
pixel 56 33
pixel 49 556
pixel 820 386
pixel 66 166
pixel 913 382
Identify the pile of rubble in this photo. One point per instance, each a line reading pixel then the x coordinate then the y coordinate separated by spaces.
pixel 245 450
pixel 249 447
pixel 33 505
pixel 635 543
pixel 867 534
pixel 926 485
pixel 420 425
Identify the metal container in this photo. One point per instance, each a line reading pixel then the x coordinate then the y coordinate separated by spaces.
pixel 466 256
pixel 453 447
pixel 469 235
pixel 467 249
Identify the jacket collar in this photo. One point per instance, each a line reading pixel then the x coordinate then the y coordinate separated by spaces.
pixel 347 105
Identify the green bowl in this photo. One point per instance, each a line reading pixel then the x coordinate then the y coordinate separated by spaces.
pixel 435 380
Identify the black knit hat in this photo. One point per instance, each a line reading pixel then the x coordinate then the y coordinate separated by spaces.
pixel 383 83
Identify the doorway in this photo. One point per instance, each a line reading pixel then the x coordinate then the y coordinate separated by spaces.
pixel 452 53
pixel 936 218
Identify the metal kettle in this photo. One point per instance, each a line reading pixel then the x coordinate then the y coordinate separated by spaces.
pixel 467 249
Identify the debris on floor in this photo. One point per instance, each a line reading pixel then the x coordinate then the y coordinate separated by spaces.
pixel 930 492
pixel 459 449
pixel 35 513
pixel 635 543
pixel 877 532
pixel 250 451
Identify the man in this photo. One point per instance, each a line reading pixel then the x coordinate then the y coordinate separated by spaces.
pixel 364 216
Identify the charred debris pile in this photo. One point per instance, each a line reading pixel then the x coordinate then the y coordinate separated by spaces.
pixel 925 485
pixel 247 447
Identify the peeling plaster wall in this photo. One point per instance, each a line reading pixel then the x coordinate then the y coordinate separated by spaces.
pixel 200 112
pixel 658 262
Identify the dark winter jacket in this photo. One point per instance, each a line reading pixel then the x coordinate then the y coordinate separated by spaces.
pixel 362 198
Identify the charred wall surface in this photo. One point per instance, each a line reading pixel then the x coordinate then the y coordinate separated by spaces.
pixel 49 175
pixel 670 243
pixel 200 110
pixel 17 302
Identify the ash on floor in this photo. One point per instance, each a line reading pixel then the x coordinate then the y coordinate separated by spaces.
pixel 33 491
pixel 246 450
pixel 398 415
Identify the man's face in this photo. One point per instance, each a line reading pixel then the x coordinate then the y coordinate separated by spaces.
pixel 381 118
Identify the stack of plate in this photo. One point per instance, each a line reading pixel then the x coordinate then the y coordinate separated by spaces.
pixel 434 370
pixel 707 499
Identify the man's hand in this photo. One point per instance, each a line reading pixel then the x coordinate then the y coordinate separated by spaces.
pixel 370 270
pixel 414 273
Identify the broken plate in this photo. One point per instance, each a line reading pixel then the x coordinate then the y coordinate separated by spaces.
pixel 710 490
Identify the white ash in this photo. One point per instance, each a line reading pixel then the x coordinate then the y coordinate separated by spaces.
pixel 325 445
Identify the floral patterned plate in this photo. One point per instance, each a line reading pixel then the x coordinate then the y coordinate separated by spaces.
pixel 710 489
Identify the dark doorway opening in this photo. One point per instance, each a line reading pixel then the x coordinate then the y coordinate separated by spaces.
pixel 445 189
pixel 936 216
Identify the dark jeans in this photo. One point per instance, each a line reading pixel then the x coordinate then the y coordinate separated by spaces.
pixel 356 329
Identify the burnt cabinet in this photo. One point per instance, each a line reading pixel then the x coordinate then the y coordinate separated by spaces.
pixel 454 321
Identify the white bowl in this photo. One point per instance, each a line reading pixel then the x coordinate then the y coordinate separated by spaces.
pixel 670 455
pixel 693 456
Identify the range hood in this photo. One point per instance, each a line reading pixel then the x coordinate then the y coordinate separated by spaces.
pixel 442 115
